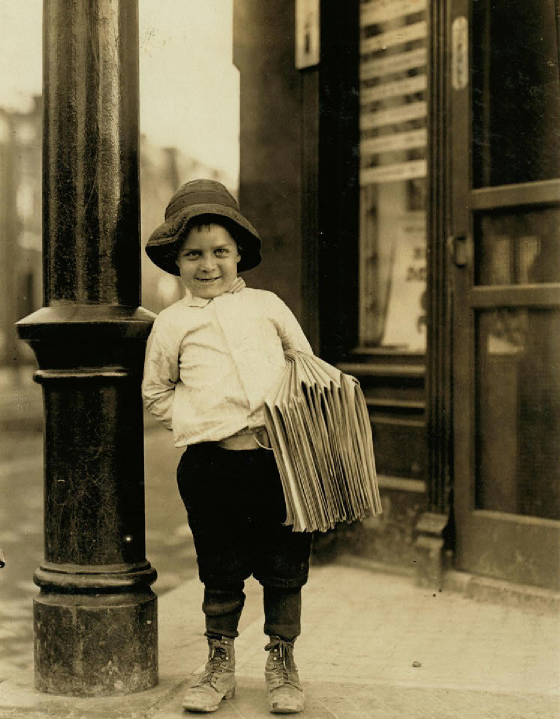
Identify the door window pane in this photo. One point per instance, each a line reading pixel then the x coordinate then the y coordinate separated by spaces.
pixel 393 174
pixel 518 248
pixel 518 412
pixel 516 91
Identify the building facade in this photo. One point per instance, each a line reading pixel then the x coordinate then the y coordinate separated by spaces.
pixel 402 162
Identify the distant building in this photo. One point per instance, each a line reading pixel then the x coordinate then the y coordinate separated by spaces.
pixel 162 170
pixel 20 226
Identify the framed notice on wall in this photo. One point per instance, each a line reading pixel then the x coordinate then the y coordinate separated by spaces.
pixel 307 33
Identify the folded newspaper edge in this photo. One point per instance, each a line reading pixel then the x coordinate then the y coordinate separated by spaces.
pixel 320 433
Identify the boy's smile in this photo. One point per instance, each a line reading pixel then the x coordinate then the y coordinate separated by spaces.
pixel 207 261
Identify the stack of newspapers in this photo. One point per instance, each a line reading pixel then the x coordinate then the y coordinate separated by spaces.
pixel 320 432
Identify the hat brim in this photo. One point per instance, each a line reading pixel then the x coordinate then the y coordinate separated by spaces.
pixel 162 246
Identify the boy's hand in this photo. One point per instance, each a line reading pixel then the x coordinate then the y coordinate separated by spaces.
pixel 238 285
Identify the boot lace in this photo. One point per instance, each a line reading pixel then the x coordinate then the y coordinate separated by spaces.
pixel 282 670
pixel 218 663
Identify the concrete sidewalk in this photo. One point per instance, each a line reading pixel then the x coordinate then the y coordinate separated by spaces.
pixel 373 645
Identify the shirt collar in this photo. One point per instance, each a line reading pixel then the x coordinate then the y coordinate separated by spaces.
pixel 193 301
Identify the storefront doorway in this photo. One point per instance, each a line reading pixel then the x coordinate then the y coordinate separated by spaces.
pixel 504 146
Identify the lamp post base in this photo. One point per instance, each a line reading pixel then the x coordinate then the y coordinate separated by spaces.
pixel 97 645
pixel 95 617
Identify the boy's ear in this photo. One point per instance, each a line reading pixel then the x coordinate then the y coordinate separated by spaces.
pixel 238 259
pixel 238 256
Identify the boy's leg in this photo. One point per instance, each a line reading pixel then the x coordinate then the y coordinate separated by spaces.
pixel 282 560
pixel 284 567
pixel 222 607
pixel 281 566
pixel 212 490
pixel 282 612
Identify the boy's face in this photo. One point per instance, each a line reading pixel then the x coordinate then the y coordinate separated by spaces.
pixel 207 261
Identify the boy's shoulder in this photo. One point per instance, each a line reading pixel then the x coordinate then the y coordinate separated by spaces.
pixel 171 310
pixel 266 299
pixel 258 300
pixel 173 316
pixel 264 295
pixel 256 294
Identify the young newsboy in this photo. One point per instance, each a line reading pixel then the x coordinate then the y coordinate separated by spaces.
pixel 212 359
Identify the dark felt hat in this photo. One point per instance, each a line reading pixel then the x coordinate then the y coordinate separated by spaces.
pixel 211 201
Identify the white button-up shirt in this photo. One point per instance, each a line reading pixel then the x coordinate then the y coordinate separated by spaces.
pixel 210 364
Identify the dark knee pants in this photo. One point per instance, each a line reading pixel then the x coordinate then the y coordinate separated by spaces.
pixel 235 509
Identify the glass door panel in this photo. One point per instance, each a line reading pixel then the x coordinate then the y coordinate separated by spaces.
pixel 518 412
pixel 521 247
pixel 516 92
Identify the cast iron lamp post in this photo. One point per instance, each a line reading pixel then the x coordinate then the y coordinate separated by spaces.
pixel 95 618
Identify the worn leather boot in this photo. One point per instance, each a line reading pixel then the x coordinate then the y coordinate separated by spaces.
pixel 285 694
pixel 218 680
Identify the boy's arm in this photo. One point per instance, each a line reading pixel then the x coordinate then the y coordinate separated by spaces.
pixel 161 374
pixel 291 334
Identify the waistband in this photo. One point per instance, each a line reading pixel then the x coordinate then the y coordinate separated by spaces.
pixel 247 439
